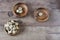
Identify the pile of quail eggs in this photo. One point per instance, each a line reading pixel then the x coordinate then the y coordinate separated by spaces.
pixel 12 27
pixel 19 10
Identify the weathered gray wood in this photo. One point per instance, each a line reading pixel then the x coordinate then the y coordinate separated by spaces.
pixel 33 30
pixel 30 33
pixel 32 5
pixel 53 37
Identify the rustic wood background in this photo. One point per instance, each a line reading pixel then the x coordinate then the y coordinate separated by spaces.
pixel 33 30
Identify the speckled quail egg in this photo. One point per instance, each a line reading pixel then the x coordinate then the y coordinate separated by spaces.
pixel 19 10
pixel 40 14
pixel 12 27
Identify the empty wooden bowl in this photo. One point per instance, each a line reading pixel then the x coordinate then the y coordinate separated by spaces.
pixel 20 10
pixel 41 14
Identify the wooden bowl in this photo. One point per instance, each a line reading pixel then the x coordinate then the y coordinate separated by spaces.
pixel 41 14
pixel 25 9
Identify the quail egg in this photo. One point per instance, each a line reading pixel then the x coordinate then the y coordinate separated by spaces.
pixel 12 27
pixel 19 10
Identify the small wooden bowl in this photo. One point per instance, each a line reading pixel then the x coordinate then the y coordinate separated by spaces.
pixel 25 9
pixel 42 18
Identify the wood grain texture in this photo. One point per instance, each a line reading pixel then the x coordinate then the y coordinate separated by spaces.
pixel 7 5
pixel 33 30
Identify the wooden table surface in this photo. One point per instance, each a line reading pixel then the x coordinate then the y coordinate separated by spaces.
pixel 33 30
